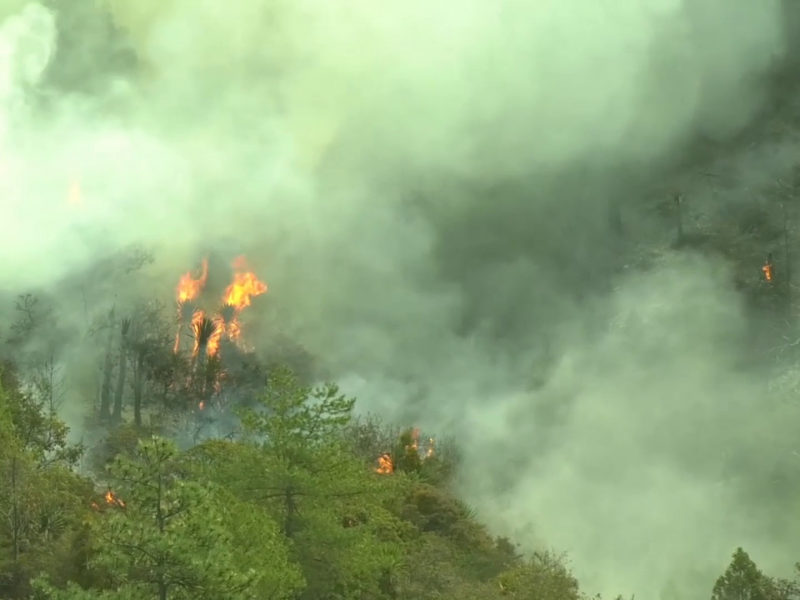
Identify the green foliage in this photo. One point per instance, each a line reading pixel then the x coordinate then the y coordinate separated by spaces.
pixel 177 539
pixel 37 427
pixel 544 577
pixel 293 509
pixel 293 418
pixel 41 499
pixel 297 465
pixel 744 580
pixel 406 453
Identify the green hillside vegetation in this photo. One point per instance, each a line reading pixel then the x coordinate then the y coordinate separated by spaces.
pixel 290 507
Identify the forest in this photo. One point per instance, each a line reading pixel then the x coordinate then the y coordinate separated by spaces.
pixel 344 300
pixel 216 475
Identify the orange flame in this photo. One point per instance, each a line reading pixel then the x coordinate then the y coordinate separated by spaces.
pixel 214 340
pixel 188 287
pixel 430 451
pixel 245 285
pixel 111 498
pixel 385 464
pixel 414 445
pixel 197 319
pixel 767 269
pixel 187 290
pixel 238 294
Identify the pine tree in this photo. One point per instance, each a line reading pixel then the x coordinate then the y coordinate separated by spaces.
pixel 742 580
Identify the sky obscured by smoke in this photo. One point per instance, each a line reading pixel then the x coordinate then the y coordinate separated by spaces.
pixel 424 186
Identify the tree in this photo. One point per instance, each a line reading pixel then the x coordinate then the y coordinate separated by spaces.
pixel 296 465
pixel 116 416
pixel 544 577
pixel 40 496
pixel 743 580
pixel 174 539
pixel 38 430
pixel 108 368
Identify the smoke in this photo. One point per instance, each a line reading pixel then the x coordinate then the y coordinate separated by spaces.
pixel 424 185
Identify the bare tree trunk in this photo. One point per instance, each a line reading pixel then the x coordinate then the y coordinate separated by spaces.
pixel 116 417
pixel 788 258
pixel 108 367
pixel 138 379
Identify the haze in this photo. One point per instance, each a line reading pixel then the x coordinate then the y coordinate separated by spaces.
pixel 424 186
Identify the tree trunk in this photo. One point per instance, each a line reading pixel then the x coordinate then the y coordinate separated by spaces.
pixel 108 367
pixel 105 390
pixel 137 390
pixel 123 366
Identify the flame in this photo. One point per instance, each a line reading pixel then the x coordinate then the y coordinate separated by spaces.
pixel 214 340
pixel 238 295
pixel 414 445
pixel 767 269
pixel 430 451
pixel 111 498
pixel 385 464
pixel 201 406
pixel 189 288
pixel 245 285
pixel 74 196
pixel 197 319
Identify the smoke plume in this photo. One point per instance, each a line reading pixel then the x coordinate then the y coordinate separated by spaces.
pixel 425 187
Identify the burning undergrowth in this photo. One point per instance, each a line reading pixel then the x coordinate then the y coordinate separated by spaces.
pixel 408 454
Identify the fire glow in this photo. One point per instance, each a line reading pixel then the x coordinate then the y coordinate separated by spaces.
pixel 111 499
pixel 386 464
pixel 225 322
pixel 208 329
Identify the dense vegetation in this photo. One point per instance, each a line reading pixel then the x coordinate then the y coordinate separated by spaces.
pixel 293 505
pixel 299 499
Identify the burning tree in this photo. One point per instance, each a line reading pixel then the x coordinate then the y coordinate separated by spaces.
pixel 228 319
pixel 237 296
pixel 206 332
pixel 157 371
pixel 408 455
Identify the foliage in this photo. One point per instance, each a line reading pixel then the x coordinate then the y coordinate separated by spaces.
pixel 290 508
pixel 543 577
pixel 744 580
